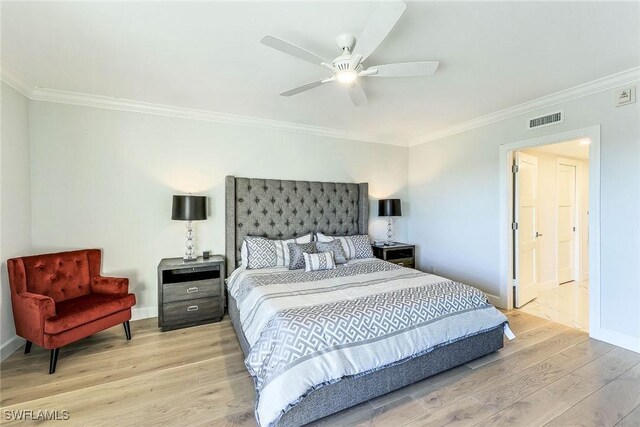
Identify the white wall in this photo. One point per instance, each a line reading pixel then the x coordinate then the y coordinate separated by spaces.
pixel 454 196
pixel 104 178
pixel 548 214
pixel 15 201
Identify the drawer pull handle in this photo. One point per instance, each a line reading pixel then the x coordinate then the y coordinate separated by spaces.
pixel 192 290
pixel 192 308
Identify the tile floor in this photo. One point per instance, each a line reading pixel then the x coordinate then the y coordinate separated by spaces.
pixel 567 304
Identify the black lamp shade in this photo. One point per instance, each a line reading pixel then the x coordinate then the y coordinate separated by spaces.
pixel 189 208
pixel 389 207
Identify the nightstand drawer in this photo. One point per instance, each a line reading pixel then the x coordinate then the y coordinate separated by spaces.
pixel 404 262
pixel 191 290
pixel 192 310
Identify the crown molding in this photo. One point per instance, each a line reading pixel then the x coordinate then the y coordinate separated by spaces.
pixel 16 82
pixel 99 101
pixel 595 86
pixel 121 104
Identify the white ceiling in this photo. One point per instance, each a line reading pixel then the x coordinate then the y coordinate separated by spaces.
pixel 207 55
pixel 578 149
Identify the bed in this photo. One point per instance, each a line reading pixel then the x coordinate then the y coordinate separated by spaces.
pixel 293 390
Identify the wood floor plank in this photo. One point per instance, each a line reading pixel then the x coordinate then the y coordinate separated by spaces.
pixel 607 406
pixel 589 378
pixel 169 393
pixel 631 420
pixel 484 402
pixel 524 401
pixel 497 371
pixel 520 322
pixel 523 340
pixel 535 410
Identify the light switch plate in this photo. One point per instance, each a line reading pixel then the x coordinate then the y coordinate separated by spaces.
pixel 625 96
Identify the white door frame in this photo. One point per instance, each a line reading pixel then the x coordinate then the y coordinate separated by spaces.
pixel 505 232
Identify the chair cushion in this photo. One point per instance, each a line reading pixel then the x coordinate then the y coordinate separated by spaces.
pixel 75 312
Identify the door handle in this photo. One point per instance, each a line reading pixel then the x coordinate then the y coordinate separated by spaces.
pixel 538 234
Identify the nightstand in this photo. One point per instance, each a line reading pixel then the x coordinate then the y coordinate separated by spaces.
pixel 190 293
pixel 399 253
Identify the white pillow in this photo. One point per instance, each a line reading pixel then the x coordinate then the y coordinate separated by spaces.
pixel 307 238
pixel 357 246
pixel 317 262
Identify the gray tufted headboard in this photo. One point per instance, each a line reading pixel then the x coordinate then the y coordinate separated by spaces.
pixel 280 209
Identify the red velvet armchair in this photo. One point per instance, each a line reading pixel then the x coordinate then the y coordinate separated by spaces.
pixel 61 298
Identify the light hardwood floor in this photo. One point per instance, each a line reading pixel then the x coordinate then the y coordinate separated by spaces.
pixel 550 375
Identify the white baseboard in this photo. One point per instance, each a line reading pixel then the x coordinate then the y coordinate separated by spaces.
pixel 549 284
pixel 10 346
pixel 138 313
pixel 496 301
pixel 616 338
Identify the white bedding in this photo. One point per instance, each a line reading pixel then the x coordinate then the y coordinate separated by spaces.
pixel 310 329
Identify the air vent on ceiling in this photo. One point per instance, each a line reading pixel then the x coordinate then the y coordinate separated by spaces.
pixel 546 120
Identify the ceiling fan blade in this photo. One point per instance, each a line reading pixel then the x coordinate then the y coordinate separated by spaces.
pixel 303 88
pixel 291 49
pixel 405 69
pixel 382 21
pixel 357 94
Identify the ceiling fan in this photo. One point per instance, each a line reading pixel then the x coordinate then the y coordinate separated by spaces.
pixel 348 67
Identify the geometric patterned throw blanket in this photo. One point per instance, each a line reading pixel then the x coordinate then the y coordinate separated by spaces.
pixel 308 330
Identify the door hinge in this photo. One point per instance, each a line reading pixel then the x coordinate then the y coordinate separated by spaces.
pixel 574 229
pixel 514 168
pixel 514 226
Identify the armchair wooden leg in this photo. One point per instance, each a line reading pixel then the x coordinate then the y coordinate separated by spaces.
pixel 53 360
pixel 27 347
pixel 127 330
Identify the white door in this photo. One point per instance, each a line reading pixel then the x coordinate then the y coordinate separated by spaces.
pixel 525 214
pixel 566 222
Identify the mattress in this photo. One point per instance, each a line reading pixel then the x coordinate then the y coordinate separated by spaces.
pixel 305 331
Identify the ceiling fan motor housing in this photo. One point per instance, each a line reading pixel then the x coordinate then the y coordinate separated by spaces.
pixel 343 62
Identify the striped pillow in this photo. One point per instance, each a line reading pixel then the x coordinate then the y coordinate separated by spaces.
pixel 321 261
pixel 357 246
pixel 264 253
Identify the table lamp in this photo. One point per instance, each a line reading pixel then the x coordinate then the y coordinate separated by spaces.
pixel 389 208
pixel 189 208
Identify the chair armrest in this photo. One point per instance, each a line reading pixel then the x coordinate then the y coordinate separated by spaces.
pixel 110 285
pixel 30 312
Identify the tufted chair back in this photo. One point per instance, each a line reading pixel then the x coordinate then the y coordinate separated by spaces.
pixel 60 276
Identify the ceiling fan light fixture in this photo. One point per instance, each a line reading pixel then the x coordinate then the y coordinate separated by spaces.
pixel 346 76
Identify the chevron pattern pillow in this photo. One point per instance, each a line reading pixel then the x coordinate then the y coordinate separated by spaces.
pixel 317 262
pixel 357 246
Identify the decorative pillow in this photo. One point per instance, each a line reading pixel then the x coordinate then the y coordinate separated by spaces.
pixel 296 259
pixel 357 246
pixel 260 252
pixel 336 247
pixel 321 261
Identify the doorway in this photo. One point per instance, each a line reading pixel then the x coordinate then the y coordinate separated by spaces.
pixel 550 226
pixel 589 268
